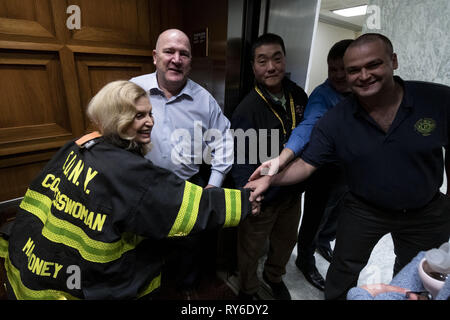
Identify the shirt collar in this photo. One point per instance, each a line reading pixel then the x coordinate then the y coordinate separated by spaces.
pixel 407 101
pixel 153 87
pixel 281 100
pixel 268 95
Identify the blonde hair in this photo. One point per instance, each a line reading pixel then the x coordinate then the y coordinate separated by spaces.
pixel 113 109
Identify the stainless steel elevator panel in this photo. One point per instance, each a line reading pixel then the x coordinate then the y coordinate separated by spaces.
pixel 234 55
pixel 294 21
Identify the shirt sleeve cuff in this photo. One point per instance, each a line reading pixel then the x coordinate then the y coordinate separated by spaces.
pixel 216 178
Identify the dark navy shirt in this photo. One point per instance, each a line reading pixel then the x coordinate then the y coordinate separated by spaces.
pixel 398 170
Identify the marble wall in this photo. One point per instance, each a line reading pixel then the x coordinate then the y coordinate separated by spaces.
pixel 420 33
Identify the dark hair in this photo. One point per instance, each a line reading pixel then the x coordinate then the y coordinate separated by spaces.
pixel 267 38
pixel 338 49
pixel 370 37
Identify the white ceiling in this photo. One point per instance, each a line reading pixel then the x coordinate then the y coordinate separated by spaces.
pixel 353 23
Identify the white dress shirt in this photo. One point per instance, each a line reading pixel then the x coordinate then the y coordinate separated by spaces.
pixel 188 127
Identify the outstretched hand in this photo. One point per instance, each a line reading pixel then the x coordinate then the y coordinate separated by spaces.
pixel 268 168
pixel 376 289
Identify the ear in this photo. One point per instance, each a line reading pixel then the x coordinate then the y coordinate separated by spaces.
pixel 154 57
pixel 394 61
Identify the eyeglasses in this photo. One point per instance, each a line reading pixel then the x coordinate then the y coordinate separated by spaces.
pixel 421 295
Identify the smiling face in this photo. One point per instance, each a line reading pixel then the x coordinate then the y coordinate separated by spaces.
pixel 142 124
pixel 269 66
pixel 172 58
pixel 370 68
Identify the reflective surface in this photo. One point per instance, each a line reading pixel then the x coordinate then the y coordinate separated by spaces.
pixel 294 20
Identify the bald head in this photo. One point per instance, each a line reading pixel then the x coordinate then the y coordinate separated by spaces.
pixel 373 37
pixel 172 58
pixel 173 34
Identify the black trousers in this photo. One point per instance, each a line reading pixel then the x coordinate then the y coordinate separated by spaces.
pixel 361 226
pixel 323 193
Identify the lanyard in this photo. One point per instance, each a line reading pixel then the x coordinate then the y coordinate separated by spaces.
pixel 291 103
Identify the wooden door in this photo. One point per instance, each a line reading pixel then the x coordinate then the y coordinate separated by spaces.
pixel 48 72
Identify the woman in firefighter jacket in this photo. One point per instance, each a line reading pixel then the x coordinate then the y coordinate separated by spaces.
pixel 90 225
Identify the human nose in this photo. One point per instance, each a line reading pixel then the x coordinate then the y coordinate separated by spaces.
pixel 364 75
pixel 270 65
pixel 176 58
pixel 149 121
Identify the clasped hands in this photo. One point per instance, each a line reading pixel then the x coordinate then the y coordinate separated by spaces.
pixel 259 182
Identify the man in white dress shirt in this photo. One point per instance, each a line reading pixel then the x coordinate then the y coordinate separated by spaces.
pixel 190 131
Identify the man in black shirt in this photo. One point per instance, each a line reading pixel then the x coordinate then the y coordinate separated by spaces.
pixel 274 106
pixel 389 136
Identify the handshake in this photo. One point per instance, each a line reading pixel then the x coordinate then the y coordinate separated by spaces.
pixel 280 171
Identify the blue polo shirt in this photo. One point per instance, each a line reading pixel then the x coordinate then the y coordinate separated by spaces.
pixel 398 170
pixel 322 99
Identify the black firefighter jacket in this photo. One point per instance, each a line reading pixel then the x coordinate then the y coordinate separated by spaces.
pixel 90 225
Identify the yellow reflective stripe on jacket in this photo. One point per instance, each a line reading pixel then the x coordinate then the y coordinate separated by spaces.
pixel 232 207
pixel 187 215
pixel 37 204
pixel 24 293
pixel 61 231
pixel 154 284
pixel 3 248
